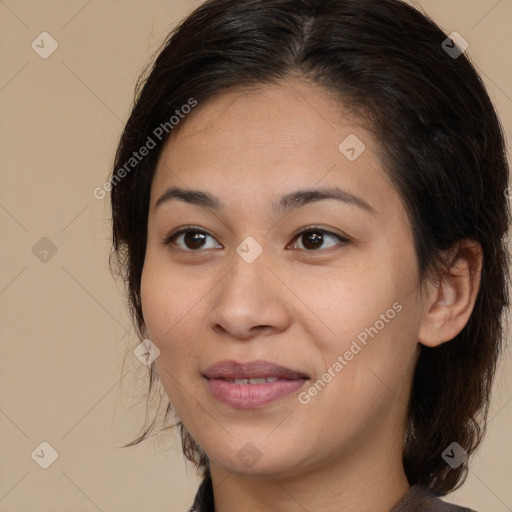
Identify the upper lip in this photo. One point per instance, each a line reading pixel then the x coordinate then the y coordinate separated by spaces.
pixel 229 369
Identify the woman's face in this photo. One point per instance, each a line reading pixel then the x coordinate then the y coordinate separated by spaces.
pixel 339 306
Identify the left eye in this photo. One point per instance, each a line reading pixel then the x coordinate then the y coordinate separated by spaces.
pixel 315 237
pixel 195 239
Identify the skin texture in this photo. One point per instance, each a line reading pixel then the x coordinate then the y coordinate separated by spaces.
pixel 295 306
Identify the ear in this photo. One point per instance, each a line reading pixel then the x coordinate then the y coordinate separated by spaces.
pixel 451 296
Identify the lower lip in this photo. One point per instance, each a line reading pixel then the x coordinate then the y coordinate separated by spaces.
pixel 248 396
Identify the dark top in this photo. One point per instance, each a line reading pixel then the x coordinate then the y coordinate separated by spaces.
pixel 417 499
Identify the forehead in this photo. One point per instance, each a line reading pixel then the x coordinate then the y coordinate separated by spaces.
pixel 294 115
pixel 264 139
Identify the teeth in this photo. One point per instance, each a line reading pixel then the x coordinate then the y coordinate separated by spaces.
pixel 261 380
pixel 257 381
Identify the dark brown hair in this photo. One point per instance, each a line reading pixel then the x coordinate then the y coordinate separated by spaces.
pixel 441 144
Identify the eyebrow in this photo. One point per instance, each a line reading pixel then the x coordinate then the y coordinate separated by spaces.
pixel 284 204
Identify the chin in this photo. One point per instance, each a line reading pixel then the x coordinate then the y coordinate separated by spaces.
pixel 255 462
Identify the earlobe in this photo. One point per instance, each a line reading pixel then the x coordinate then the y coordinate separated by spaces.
pixel 451 297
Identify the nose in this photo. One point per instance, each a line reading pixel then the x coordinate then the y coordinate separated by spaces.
pixel 250 301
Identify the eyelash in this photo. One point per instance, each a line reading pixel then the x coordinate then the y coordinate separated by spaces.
pixel 311 229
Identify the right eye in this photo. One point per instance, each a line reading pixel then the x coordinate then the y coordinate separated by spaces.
pixel 193 239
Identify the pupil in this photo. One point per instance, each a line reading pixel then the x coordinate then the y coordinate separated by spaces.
pixel 314 237
pixel 195 240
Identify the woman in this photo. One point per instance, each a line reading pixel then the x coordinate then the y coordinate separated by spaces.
pixel 309 210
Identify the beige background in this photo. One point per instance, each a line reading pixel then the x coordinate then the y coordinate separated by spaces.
pixel 65 334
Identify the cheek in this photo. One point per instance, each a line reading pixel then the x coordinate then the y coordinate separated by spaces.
pixel 165 317
pixel 344 305
pixel 171 307
pixel 162 306
pixel 163 295
pixel 371 320
pixel 153 302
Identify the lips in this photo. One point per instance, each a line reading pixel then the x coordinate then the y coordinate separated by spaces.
pixel 233 370
pixel 253 384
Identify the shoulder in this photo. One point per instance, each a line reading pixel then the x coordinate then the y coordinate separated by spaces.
pixel 419 499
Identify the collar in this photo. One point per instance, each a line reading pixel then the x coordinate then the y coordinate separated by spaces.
pixel 417 499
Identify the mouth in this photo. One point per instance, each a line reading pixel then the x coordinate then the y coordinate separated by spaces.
pixel 252 384
pixel 260 380
pixel 251 370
